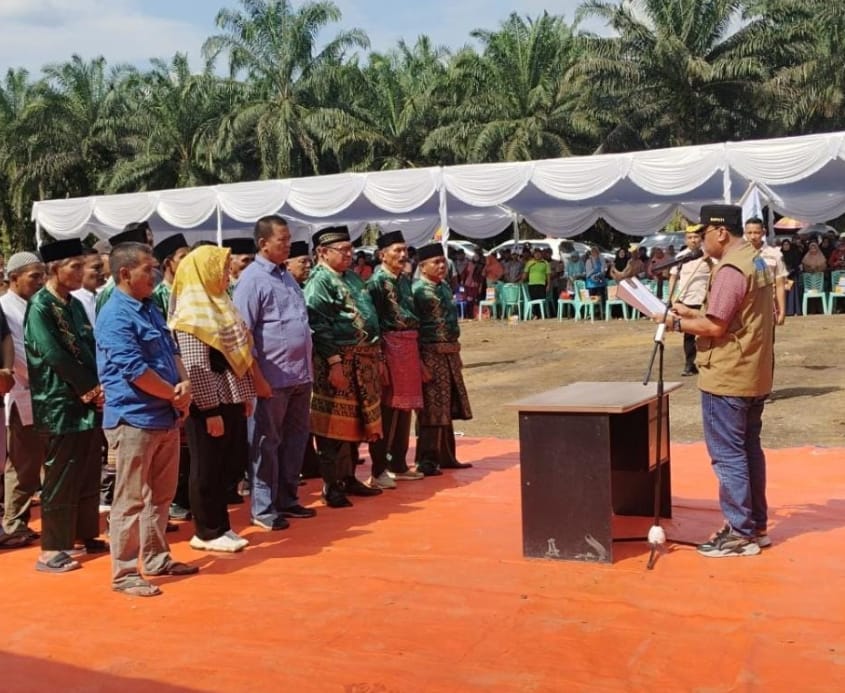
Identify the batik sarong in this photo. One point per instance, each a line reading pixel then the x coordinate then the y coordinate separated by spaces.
pixel 444 396
pixel 353 414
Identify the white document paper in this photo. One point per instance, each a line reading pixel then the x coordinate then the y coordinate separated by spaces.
pixel 638 296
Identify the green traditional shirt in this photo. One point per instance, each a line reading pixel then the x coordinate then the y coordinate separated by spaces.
pixel 393 298
pixel 161 298
pixel 340 310
pixel 437 311
pixel 61 361
pixel 104 295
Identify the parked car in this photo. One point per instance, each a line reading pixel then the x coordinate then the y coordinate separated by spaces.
pixel 560 247
pixel 663 240
pixel 468 247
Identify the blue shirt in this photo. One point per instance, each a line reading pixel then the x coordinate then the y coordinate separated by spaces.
pixel 132 338
pixel 273 307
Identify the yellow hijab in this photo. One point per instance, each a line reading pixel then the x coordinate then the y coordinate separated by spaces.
pixel 200 305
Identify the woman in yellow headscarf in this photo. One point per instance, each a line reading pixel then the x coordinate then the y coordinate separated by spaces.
pixel 217 352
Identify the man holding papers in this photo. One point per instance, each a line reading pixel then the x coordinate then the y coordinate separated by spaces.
pixel 733 332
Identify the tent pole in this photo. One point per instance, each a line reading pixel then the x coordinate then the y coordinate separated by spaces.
pixel 219 225
pixel 515 223
pixel 726 184
pixel 38 237
pixel 444 215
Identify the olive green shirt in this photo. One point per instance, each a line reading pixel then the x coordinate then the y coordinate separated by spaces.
pixel 340 311
pixel 436 309
pixel 61 361
pixel 393 298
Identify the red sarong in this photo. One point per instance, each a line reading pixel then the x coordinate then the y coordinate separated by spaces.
pixel 402 359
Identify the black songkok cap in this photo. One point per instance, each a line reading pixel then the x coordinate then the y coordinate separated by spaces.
pixel 729 216
pixel 330 234
pixel 427 252
pixel 388 239
pixel 299 249
pixel 169 246
pixel 61 250
pixel 240 246
pixel 134 232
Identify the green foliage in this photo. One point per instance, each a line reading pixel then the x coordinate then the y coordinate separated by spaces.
pixel 303 98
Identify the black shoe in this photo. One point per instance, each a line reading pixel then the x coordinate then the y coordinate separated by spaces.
pixel 457 465
pixel 297 511
pixel 428 469
pixel 358 488
pixel 692 370
pixel 93 546
pixel 171 528
pixel 177 512
pixel 234 498
pixel 334 496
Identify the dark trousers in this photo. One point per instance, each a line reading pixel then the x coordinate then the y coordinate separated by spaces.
pixel 689 346
pixel 23 472
pixel 212 464
pixel 70 494
pixel 311 463
pixel 536 292
pixel 436 445
pixel 397 422
pixel 336 459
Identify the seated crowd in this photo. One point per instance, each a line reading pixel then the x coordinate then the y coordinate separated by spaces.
pixel 193 371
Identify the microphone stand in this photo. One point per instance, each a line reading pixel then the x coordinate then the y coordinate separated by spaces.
pixel 656 535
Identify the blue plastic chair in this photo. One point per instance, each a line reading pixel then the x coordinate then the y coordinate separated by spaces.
pixel 837 281
pixel 511 300
pixel 814 288
pixel 528 304
pixel 612 300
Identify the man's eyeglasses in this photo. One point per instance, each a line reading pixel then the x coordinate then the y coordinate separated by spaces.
pixel 342 250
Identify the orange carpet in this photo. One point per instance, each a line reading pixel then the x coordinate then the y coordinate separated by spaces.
pixel 425 589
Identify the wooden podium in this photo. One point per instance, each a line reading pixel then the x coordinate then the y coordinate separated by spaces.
pixel 587 451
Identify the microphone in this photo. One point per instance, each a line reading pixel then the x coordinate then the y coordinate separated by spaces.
pixel 682 260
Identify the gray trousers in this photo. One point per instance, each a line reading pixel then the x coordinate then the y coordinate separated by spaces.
pixel 147 468
pixel 23 472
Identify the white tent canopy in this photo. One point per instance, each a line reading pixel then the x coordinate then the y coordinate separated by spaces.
pixel 636 193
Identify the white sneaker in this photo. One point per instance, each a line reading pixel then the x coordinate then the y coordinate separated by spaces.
pixel 408 475
pixel 383 480
pixel 222 543
pixel 237 538
pixel 103 509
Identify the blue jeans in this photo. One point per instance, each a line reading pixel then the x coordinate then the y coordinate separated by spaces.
pixel 732 428
pixel 281 426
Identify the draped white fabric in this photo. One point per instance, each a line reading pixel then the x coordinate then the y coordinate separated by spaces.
pixel 247 202
pixel 635 192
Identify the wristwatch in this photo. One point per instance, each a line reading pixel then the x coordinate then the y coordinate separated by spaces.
pixel 676 325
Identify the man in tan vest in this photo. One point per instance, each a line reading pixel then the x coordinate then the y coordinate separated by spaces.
pixel 733 332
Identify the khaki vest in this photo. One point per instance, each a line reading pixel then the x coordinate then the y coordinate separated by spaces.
pixel 739 363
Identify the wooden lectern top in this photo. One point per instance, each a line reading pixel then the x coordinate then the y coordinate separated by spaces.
pixel 593 397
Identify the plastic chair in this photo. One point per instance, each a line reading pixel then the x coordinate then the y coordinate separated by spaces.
pixel 814 288
pixel 528 304
pixel 612 300
pixel 511 300
pixel 583 302
pixel 563 303
pixel 837 289
pixel 492 304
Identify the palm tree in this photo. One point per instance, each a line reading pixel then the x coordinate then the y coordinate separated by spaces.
pixel 514 100
pixel 809 92
pixel 389 107
pixel 170 120
pixel 275 46
pixel 68 137
pixel 676 72
pixel 15 93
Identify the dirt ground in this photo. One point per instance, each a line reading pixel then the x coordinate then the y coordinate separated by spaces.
pixel 504 362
